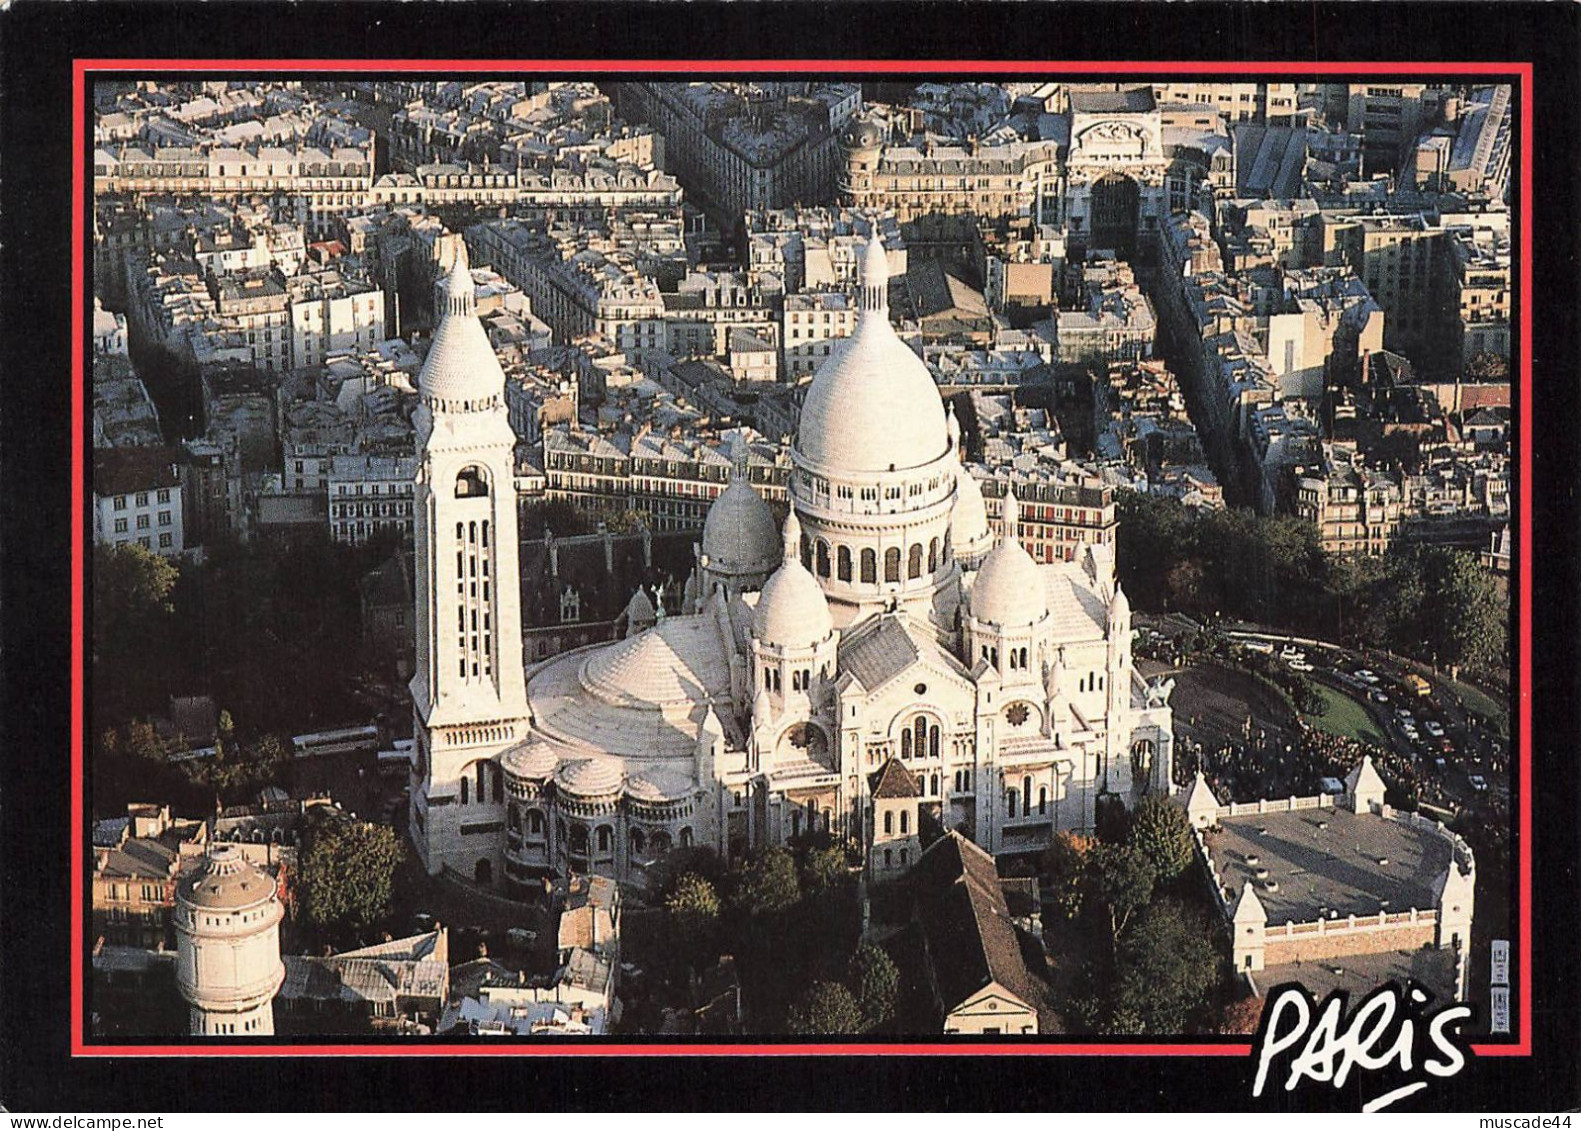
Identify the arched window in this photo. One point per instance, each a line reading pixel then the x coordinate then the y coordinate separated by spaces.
pixel 464 788
pixel 957 781
pixel 534 822
pixel 823 558
pixel 513 819
pixel 796 823
pixel 661 843
pixel 914 561
pixel 892 564
pixel 905 822
pixel 828 821
pixel 483 793
pixel 889 858
pixel 842 563
pixel 889 822
pixel 933 791
pixel 921 727
pixel 1043 800
pixel 606 838
pixel 1026 794
pixel 579 839
pixel 471 484
pixel 806 553
pixel 1011 802
pixel 637 841
pixel 933 556
pixel 905 743
pixel 686 837
pixel 869 567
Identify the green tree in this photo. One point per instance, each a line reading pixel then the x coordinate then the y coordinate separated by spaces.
pixel 1161 833
pixel 1064 869
pixel 1121 881
pixel 824 1009
pixel 767 884
pixel 347 873
pixel 692 907
pixel 876 983
pixel 1165 968
pixel 1468 620
pixel 824 870
pixel 142 741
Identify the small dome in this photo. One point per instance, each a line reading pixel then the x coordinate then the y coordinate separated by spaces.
pixel 658 786
pixel 1008 590
pixel 590 778
pixel 530 760
pixel 863 133
pixel 740 535
pixel 461 366
pixel 226 881
pixel 969 531
pixel 792 610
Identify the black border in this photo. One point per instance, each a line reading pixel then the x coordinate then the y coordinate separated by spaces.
pixel 38 42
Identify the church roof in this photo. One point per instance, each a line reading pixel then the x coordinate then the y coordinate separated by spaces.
pixel 1076 610
pixel 893 780
pixel 849 420
pixel 740 535
pixel 461 366
pixel 1138 100
pixel 792 610
pixel 1364 778
pixel 877 652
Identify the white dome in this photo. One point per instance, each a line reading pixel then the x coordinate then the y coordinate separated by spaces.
pixel 657 786
pixel 969 532
pixel 461 366
pixel 592 777
pixel 792 611
pixel 873 405
pixel 1008 590
pixel 531 760
pixel 740 535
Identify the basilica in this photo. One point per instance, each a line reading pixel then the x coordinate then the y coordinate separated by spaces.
pixel 881 627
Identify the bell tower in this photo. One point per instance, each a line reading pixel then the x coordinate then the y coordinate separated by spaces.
pixel 469 694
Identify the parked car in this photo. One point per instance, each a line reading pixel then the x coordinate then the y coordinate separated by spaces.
pixel 1291 652
pixel 1366 676
pixel 1300 666
pixel 1433 728
pixel 1479 783
pixel 1259 646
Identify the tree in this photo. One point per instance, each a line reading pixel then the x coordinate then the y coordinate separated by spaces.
pixel 824 1009
pixel 767 884
pixel 1486 366
pixel 1185 587
pixel 142 741
pixel 1064 868
pixel 347 873
pixel 1163 971
pixel 1121 880
pixel 693 910
pixel 825 869
pixel 1468 622
pixel 1161 833
pixel 1240 1017
pixel 876 983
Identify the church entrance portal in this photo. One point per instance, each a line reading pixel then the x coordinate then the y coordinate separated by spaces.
pixel 1116 205
pixel 484 872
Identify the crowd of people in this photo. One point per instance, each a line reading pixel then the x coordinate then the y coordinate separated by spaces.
pixel 1283 764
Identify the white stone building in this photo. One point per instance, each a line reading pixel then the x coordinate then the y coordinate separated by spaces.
pixel 228 964
pixel 882 621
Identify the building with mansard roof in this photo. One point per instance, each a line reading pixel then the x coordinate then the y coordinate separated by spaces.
pixel 880 624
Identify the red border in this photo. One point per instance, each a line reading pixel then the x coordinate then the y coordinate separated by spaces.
pixel 688 67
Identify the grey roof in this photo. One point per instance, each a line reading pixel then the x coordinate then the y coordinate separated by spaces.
pixel 1329 859
pixel 878 652
pixel 1433 967
pixel 1138 100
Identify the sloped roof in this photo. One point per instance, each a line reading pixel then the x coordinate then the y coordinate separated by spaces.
pixel 893 780
pixel 966 922
pixel 878 652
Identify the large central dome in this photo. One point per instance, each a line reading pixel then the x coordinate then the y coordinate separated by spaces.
pixel 873 406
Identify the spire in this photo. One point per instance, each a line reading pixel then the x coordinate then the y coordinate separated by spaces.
pixel 460 293
pixel 873 278
pixel 952 427
pixel 739 451
pixel 1011 517
pixel 792 538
